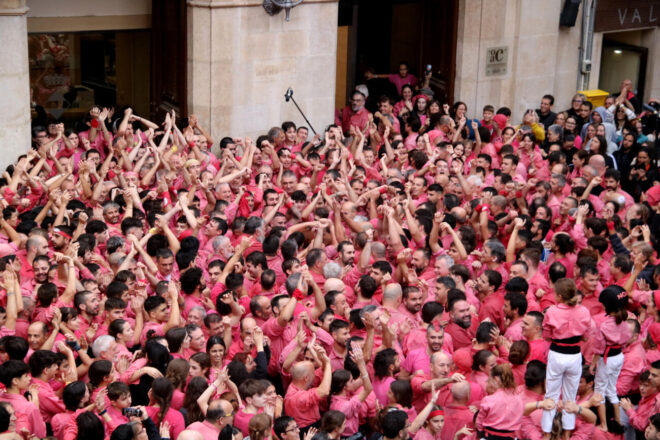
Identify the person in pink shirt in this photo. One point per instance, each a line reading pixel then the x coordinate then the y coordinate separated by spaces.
pixel 15 376
pixel 420 359
pixel 500 413
pixel 638 417
pixel 532 330
pixel 564 324
pixel 44 366
pixel 610 333
pixel 218 415
pixel 515 307
pixel 634 362
pixel 386 367
pixel 160 397
pixel 301 401
pixel 458 414
pixel 341 392
pixel 253 396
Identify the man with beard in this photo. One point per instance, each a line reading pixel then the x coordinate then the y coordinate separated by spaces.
pixel 386 367
pixel 339 329
pixel 346 253
pixel 112 217
pixel 35 246
pixel 354 116
pixel 222 249
pixel 254 229
pixel 420 263
pixel 613 191
pixel 40 269
pixel 515 307
pixel 413 300
pixel 420 358
pixel 492 300
pixel 461 326
pixel 61 237
pixel 88 306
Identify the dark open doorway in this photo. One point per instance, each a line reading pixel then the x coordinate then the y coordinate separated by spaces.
pixel 385 32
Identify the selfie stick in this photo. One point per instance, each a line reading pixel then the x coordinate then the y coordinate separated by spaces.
pixel 289 95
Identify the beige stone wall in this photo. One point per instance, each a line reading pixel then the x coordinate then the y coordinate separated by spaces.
pixel 77 8
pixel 14 82
pixel 542 56
pixel 241 62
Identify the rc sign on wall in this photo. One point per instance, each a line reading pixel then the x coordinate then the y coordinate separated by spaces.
pixel 496 60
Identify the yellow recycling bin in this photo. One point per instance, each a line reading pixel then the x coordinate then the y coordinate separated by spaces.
pixel 596 97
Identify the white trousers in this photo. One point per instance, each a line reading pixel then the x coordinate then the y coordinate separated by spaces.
pixel 606 376
pixel 562 378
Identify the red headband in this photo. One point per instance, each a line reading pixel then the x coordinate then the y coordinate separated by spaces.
pixel 62 233
pixel 437 412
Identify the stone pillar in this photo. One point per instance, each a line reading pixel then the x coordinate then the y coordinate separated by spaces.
pixel 14 82
pixel 241 62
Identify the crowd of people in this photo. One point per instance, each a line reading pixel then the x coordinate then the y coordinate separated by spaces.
pixel 418 271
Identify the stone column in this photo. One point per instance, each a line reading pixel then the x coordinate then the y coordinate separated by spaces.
pixel 14 82
pixel 241 62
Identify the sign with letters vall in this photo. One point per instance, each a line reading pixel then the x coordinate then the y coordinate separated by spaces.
pixel 496 60
pixel 615 15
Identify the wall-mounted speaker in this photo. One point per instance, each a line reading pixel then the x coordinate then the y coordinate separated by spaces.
pixel 569 13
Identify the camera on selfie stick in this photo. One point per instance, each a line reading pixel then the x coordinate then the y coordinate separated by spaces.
pixel 289 96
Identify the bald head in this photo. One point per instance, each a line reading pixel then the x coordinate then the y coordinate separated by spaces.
pixel 460 392
pixel 459 213
pixel 333 284
pixel 301 370
pixel 378 250
pixel 392 292
pixel 598 162
pixel 188 434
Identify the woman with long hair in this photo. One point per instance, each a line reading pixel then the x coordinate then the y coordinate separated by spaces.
pixel 178 340
pixel 159 408
pixel 200 365
pixel 177 373
pixel 215 348
pixel 194 390
pixel 598 145
pixel 405 105
pixel 570 127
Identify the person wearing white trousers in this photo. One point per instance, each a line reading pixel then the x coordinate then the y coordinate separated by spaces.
pixel 562 378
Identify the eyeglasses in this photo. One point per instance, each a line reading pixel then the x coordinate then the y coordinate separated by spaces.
pixel 295 428
pixel 578 100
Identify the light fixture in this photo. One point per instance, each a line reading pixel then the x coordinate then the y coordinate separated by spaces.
pixel 618 51
pixel 273 7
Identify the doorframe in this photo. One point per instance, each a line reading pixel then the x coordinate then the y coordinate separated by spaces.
pixel 640 81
